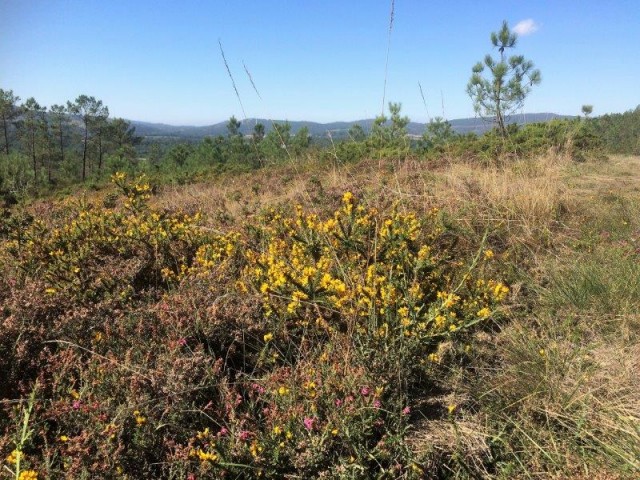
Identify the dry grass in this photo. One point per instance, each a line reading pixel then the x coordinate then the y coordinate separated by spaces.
pixel 560 386
pixel 554 392
pixel 520 204
pixel 564 399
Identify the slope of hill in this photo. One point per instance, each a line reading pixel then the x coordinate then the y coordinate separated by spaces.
pixel 337 129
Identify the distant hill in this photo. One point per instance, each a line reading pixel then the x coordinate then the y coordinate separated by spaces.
pixel 337 129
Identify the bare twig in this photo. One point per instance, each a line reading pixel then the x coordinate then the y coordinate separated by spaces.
pixel 224 59
pixel 251 80
pixel 386 63
pixel 424 101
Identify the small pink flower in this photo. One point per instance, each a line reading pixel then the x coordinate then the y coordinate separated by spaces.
pixel 406 410
pixel 308 422
pixel 182 342
pixel 377 404
pixel 223 432
pixel 244 435
pixel 338 402
pixel 349 399
pixel 365 391
pixel 76 404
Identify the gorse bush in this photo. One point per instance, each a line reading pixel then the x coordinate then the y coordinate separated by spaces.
pixel 164 348
pixel 79 256
pixel 365 274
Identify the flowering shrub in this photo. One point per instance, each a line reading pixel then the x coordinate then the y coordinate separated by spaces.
pixel 288 347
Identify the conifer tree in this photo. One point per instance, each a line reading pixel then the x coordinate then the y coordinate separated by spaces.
pixel 510 80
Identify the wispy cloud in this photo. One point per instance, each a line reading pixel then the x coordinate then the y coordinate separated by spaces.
pixel 526 27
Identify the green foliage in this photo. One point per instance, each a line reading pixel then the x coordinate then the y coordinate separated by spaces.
pixel 9 110
pixel 32 132
pixel 577 139
pixel 510 80
pixel 603 282
pixel 388 136
pixel 300 141
pixel 181 152
pixel 357 133
pixel 258 133
pixel 122 139
pixel 620 131
pixel 275 145
pixel 93 114
pixel 438 134
pixel 16 175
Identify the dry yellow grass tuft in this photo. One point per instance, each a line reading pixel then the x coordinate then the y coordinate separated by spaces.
pixel 519 203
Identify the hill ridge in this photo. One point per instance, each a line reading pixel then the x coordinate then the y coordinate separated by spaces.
pixel 319 129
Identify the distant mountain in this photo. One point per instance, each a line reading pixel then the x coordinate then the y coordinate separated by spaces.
pixel 336 129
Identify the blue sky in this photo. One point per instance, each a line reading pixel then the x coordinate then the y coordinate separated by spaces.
pixel 159 60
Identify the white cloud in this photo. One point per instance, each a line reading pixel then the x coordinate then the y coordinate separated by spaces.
pixel 526 27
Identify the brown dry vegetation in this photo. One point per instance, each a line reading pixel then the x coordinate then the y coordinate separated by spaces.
pixel 545 215
pixel 547 390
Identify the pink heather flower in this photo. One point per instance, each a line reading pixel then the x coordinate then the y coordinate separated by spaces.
pixel 338 402
pixel 76 404
pixel 349 399
pixel 244 435
pixel 258 388
pixel 182 342
pixel 223 432
pixel 365 391
pixel 308 422
pixel 377 404
pixel 406 410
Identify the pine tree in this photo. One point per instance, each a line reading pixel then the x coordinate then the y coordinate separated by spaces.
pixel 511 79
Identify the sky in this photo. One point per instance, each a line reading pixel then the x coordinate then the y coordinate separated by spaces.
pixel 160 61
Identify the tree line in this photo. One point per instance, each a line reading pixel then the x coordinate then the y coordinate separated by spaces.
pixel 69 141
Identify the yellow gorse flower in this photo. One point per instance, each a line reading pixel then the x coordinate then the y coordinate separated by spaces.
pixel 28 475
pixel 13 457
pixel 282 391
pixel 140 419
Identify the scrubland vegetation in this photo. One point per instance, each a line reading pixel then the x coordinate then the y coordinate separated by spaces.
pixel 264 307
pixel 406 315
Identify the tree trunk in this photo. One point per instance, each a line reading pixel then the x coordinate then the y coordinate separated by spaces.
pixel 61 143
pixel 499 116
pixel 6 135
pixel 84 152
pixel 34 156
pixel 100 150
pixel 501 125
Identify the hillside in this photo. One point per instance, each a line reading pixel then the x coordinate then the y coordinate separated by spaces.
pixel 423 318
pixel 337 129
